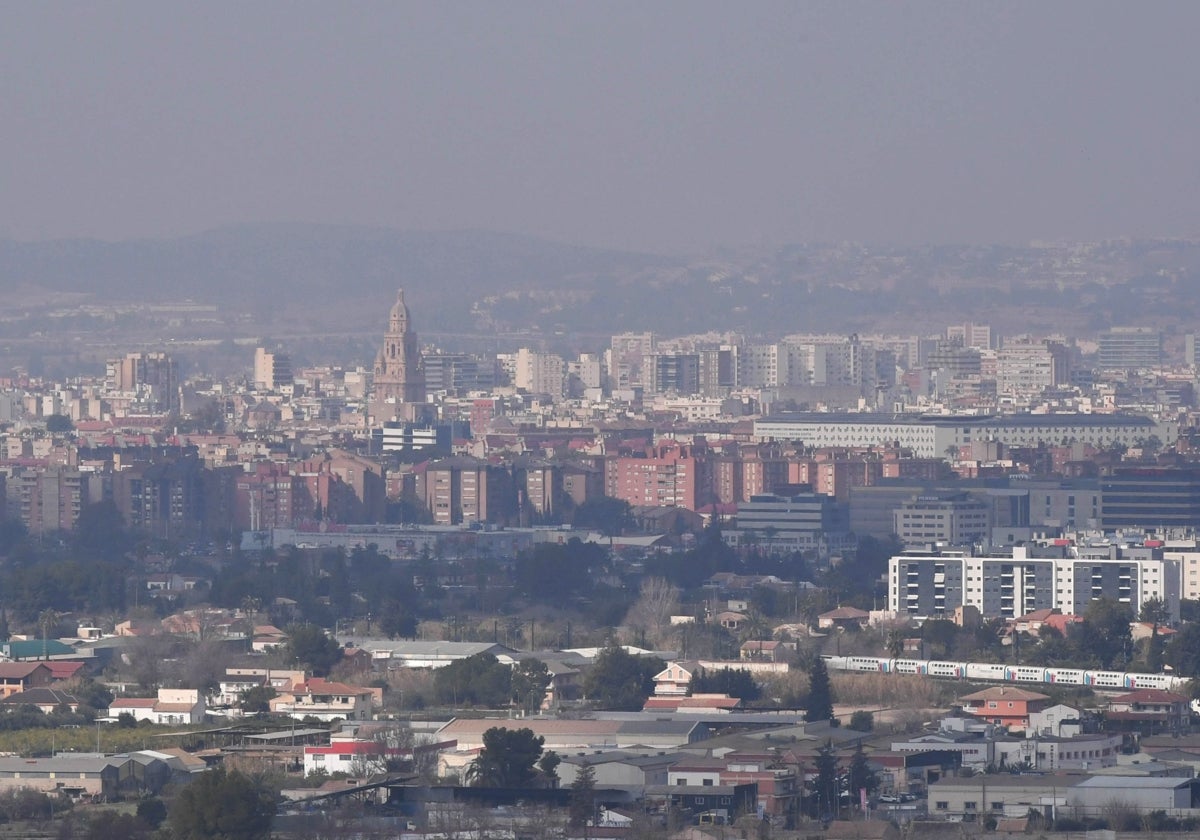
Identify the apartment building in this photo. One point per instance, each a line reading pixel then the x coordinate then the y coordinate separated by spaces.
pixel 934 584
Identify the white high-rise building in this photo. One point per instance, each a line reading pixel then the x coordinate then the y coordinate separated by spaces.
pixel 540 373
pixel 934 584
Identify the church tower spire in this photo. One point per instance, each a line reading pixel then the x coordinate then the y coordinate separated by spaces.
pixel 399 375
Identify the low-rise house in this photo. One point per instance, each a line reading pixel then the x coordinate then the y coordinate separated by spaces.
pixel 675 678
pixel 1031 623
pixel 46 699
pixel 62 670
pixel 731 620
pixel 325 700
pixel 237 681
pixel 266 638
pixel 1005 705
pixel 16 677
pixel 727 802
pixel 366 753
pixel 847 618
pixel 1148 711
pixel 172 706
pixel 777 788
pixel 767 651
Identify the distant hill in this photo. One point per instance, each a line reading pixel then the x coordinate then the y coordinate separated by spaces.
pixel 314 267
pixel 307 279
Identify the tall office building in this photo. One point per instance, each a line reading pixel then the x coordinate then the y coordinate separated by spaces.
pixel 1130 348
pixel 399 384
pixel 272 370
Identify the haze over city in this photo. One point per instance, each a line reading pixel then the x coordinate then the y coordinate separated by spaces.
pixel 671 421
pixel 666 128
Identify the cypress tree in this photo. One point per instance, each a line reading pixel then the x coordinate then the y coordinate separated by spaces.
pixel 820 694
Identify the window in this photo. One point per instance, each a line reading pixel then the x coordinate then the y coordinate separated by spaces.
pixel 941 806
pixel 707 782
pixel 970 806
pixel 997 806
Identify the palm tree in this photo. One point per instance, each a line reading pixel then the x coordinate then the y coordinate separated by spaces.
pixel 47 621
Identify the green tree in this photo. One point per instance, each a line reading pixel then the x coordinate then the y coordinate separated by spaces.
pixel 583 797
pixel 552 572
pixel 222 805
pixel 1157 613
pixel 819 705
pixel 100 532
pixel 940 637
pixel 611 517
pixel 620 681
pixel 398 621
pixel 257 700
pixel 823 801
pixel 860 775
pixel 478 680
pixel 58 423
pixel 548 767
pixel 862 721
pixel 1183 651
pixel 152 811
pixel 529 680
pixel 1104 632
pixel 104 825
pixel 736 682
pixel 12 534
pixel 507 759
pixel 309 647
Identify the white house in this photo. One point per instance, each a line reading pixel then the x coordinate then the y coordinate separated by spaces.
pixel 172 706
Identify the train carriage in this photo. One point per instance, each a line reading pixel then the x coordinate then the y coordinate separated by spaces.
pixel 956 670
pixel 996 672
pixel 868 663
pixel 987 671
pixel 1064 676
pixel 1104 679
pixel 1030 673
pixel 1163 681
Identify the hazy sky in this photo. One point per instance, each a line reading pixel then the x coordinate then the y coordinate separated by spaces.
pixel 664 126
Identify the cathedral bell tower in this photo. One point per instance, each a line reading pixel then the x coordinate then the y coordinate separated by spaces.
pixel 399 375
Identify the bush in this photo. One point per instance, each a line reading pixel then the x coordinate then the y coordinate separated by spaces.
pixel 152 811
pixel 862 721
pixel 27 804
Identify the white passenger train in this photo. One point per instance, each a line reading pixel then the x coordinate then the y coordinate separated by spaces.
pixel 1008 673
